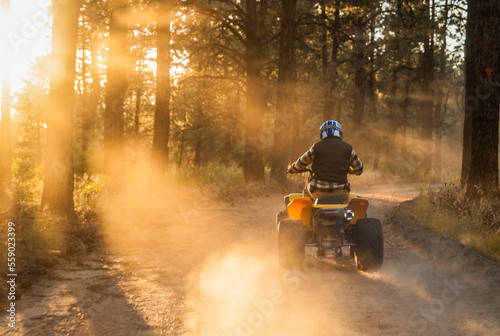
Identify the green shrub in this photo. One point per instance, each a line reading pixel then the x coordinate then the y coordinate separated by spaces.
pixel 230 175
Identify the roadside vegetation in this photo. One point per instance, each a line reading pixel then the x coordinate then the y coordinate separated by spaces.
pixel 42 240
pixel 448 212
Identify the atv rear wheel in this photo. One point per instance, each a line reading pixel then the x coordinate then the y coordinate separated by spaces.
pixel 369 250
pixel 291 242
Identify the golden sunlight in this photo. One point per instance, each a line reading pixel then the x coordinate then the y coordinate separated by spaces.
pixel 231 168
pixel 177 69
pixel 25 37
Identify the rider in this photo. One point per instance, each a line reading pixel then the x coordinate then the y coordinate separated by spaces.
pixel 332 159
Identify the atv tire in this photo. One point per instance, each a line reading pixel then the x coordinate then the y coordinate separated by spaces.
pixel 291 243
pixel 369 250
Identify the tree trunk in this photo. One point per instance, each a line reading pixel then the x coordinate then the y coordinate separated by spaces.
pixel 439 117
pixel 482 91
pixel 427 99
pixel 441 98
pixel 139 93
pixel 57 196
pixel 38 149
pixel 197 153
pixel 296 139
pixel 336 102
pixel 406 107
pixel 137 109
pixel 115 94
pixel 470 103
pixel 253 164
pixel 92 98
pixel 5 126
pixel 371 77
pixel 394 122
pixel 359 74
pixel 83 91
pixel 162 109
pixel 181 148
pixel 231 117
pixel 327 108
pixel 284 108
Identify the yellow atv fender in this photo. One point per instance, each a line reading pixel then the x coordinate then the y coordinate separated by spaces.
pixel 300 208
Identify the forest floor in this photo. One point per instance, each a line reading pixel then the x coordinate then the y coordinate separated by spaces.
pixel 199 267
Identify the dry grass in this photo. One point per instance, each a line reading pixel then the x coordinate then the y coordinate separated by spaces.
pixel 450 214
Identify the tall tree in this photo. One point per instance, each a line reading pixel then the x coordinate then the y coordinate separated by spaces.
pixel 371 90
pixel 5 126
pixel 359 50
pixel 91 26
pixel 325 64
pixel 482 71
pixel 253 162
pixel 334 75
pixel 441 96
pixel 427 80
pixel 115 89
pixel 284 108
pixel 58 185
pixel 240 37
pixel 162 109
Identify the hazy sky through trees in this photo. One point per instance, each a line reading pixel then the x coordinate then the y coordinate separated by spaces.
pixel 28 38
pixel 30 34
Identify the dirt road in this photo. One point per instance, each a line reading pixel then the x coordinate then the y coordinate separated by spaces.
pixel 198 268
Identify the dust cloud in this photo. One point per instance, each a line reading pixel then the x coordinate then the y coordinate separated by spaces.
pixel 238 292
pixel 225 270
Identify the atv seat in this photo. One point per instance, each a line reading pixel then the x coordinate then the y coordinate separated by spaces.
pixel 329 200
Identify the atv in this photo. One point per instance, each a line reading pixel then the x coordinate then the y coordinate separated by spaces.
pixel 328 224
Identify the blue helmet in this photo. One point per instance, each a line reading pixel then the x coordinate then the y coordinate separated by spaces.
pixel 330 128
